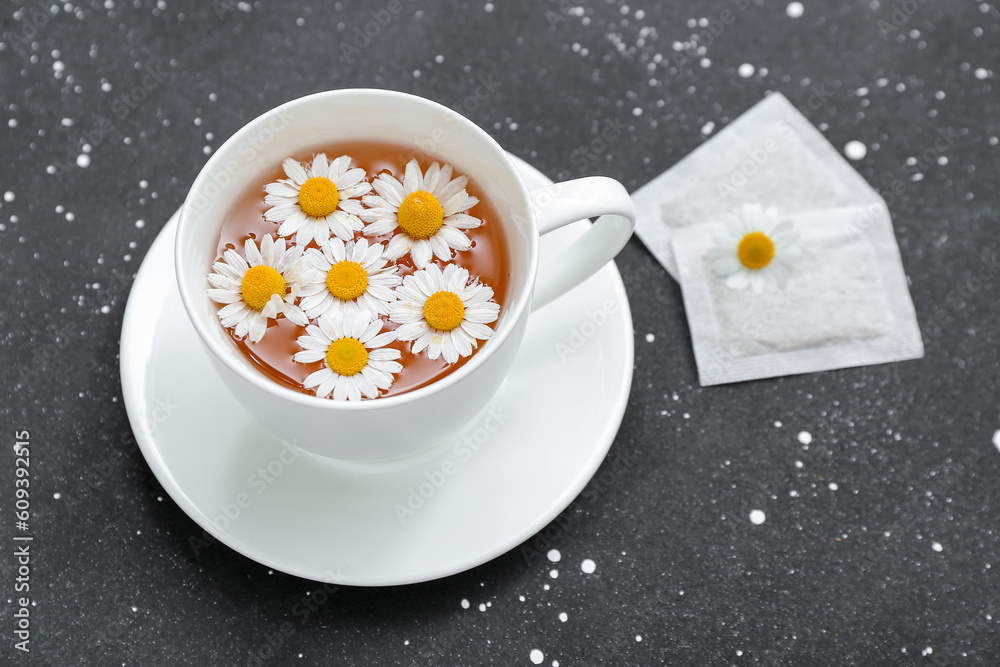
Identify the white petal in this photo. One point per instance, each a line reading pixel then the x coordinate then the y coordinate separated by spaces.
pixel 294 171
pixel 412 331
pixel 320 168
pixel 412 178
pixel 258 326
pixel 421 253
pixel 399 245
pixel 454 238
pixel 292 224
pixel 317 377
pixel 309 356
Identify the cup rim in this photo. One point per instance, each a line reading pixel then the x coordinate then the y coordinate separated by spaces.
pixel 188 290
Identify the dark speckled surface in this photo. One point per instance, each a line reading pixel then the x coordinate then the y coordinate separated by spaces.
pixel 899 560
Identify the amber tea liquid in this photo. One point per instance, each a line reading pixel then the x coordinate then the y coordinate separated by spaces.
pixel 486 260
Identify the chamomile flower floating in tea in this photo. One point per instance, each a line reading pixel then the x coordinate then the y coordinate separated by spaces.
pixel 346 276
pixel 317 200
pixel 257 288
pixel 429 209
pixel 756 250
pixel 356 362
pixel 442 312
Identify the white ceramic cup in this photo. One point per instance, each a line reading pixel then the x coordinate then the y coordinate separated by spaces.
pixel 408 423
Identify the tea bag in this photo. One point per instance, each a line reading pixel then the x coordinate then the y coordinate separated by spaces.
pixel 845 302
pixel 771 155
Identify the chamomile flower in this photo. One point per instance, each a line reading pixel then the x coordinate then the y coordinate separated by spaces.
pixel 430 210
pixel 348 276
pixel 317 200
pixel 355 361
pixel 755 250
pixel 257 288
pixel 442 312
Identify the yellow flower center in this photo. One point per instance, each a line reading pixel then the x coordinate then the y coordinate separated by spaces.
pixel 347 280
pixel 346 356
pixel 420 215
pixel 444 310
pixel 318 197
pixel 756 250
pixel 259 284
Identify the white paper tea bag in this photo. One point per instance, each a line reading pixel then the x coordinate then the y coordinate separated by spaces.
pixel 845 302
pixel 770 155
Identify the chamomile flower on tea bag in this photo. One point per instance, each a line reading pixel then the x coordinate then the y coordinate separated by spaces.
pixel 769 295
pixel 770 155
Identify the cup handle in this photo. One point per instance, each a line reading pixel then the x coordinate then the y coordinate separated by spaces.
pixel 560 204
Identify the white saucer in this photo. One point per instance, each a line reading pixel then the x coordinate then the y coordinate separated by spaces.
pixel 339 522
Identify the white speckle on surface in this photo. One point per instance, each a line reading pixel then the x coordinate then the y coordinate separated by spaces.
pixel 936 546
pixel 439 59
pixel 777 424
pixel 563 616
pixel 757 517
pixel 861 92
pixel 794 9
pixel 588 566
pixel 139 224
pixel 536 656
pixel 805 437
pixel 521 598
pixel 57 495
pixel 996 439
pixel 554 555
pixel 554 574
pixel 488 7
pixel 638 638
pixel 708 128
pixel 927 651
pixel 465 604
pixel 8 196
pixel 855 150
pixel 12 122
pixel 637 111
pixel 833 486
pixel 212 97
pixel 83 160
pixel 66 122
pixel 650 338
pixel 745 70
pixel 981 73
pixel 738 652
